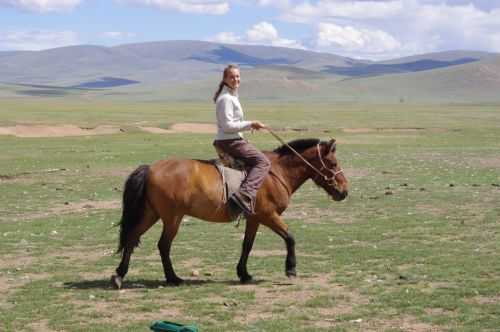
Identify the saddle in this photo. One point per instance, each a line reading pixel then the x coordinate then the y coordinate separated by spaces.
pixel 232 172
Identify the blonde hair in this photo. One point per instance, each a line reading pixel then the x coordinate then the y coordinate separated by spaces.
pixel 222 83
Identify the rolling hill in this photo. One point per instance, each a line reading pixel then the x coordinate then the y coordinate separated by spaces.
pixel 189 70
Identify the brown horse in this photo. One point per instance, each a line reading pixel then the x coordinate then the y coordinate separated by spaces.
pixel 170 189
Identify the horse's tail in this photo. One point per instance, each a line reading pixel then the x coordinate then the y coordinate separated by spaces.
pixel 134 203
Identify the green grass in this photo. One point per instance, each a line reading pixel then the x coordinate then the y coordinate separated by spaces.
pixel 415 246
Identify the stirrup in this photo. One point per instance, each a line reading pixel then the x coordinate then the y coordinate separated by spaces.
pixel 234 210
pixel 238 200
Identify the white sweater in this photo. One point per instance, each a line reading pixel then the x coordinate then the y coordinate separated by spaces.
pixel 230 121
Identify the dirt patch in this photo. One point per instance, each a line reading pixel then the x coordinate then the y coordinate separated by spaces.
pixel 72 208
pixel 9 283
pixel 275 296
pixel 86 205
pixel 357 172
pixel 73 130
pixel 40 326
pixel 28 177
pixel 484 300
pixel 102 310
pixel 194 128
pixel 373 130
pixel 386 130
pixel 489 162
pixel 432 210
pixel 4 285
pixel 191 263
pixel 79 254
pixel 358 130
pixel 296 294
pixel 200 128
pixel 18 260
pixel 313 215
pixel 156 130
pixel 267 253
pixel 56 131
pixel 405 323
pixel 119 172
pixel 26 130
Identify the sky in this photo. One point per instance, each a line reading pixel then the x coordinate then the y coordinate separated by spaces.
pixel 368 29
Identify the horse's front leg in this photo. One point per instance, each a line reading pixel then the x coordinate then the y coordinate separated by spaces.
pixel 279 227
pixel 291 261
pixel 250 232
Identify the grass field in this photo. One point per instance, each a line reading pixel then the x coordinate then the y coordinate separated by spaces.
pixel 415 247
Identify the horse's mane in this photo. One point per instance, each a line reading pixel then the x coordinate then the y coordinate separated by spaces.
pixel 299 145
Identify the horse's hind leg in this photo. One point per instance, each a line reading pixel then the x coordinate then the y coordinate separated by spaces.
pixel 149 219
pixel 280 228
pixel 170 228
pixel 250 231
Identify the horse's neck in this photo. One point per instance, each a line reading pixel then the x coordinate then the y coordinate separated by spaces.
pixel 295 174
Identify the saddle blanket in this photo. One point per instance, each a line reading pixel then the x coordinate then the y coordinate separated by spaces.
pixel 231 179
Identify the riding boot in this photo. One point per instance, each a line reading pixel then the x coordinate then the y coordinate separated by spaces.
pixel 234 210
pixel 244 202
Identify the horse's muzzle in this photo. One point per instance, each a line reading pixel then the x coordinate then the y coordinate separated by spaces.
pixel 343 195
pixel 339 195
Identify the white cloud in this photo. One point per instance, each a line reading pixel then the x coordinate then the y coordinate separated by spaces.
pixel 262 33
pixel 432 27
pixel 307 12
pixel 265 33
pixel 354 41
pixel 118 34
pixel 41 6
pixel 227 37
pixel 283 4
pixel 391 28
pixel 36 40
pixel 212 7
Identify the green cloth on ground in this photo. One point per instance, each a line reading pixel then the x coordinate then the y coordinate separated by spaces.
pixel 165 326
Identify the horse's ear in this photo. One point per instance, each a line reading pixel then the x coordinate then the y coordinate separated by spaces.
pixel 332 144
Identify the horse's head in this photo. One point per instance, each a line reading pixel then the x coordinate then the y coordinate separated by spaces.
pixel 318 162
pixel 330 176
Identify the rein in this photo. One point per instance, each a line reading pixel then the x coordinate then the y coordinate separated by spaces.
pixel 325 177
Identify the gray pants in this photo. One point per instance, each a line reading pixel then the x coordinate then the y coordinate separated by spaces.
pixel 256 163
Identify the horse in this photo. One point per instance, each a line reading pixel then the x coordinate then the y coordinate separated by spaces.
pixel 173 188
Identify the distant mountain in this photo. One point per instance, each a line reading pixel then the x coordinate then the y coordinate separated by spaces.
pixel 105 82
pixel 394 68
pixel 182 61
pixel 189 70
pixel 150 62
pixel 477 82
pixel 442 56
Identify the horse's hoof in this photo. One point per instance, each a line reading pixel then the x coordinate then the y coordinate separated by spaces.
pixel 246 279
pixel 175 281
pixel 116 281
pixel 291 274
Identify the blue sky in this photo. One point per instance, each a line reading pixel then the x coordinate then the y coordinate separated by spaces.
pixel 373 29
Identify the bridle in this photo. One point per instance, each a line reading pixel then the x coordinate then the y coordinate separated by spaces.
pixel 330 180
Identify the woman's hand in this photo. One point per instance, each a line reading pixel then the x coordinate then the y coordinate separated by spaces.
pixel 256 125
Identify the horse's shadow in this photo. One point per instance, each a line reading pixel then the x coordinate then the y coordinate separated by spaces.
pixel 152 284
